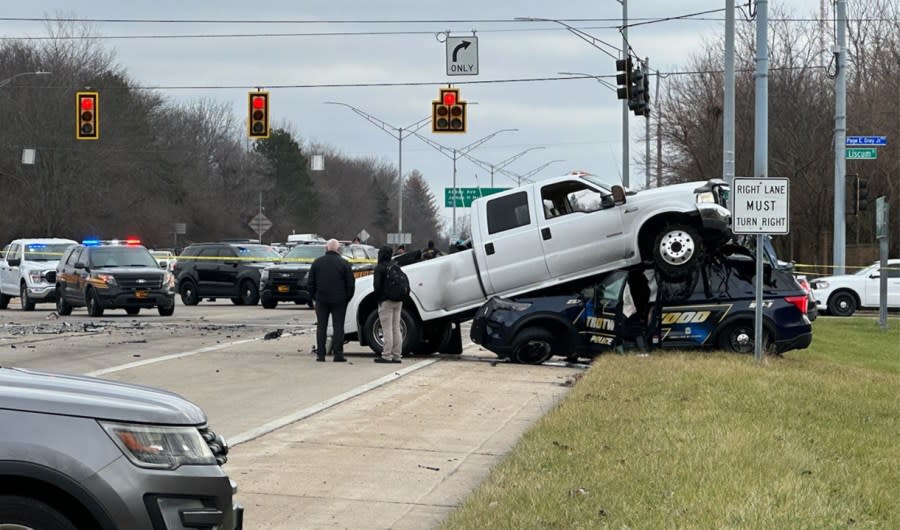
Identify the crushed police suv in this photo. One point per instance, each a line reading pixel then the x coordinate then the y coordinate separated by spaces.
pixel 102 275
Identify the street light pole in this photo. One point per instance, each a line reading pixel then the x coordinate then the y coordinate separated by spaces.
pixel 503 163
pixel 399 133
pixel 528 174
pixel 9 80
pixel 456 153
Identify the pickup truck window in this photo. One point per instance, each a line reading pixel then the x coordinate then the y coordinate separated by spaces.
pixel 568 197
pixel 508 212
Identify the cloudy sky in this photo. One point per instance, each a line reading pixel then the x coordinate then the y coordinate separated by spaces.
pixel 366 51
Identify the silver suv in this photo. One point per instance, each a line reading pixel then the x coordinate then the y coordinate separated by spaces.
pixel 24 268
pixel 79 452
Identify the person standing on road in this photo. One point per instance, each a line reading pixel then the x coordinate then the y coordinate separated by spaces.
pixel 331 285
pixel 388 310
pixel 431 252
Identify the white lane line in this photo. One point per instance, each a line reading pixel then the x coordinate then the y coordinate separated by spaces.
pixel 145 362
pixel 276 424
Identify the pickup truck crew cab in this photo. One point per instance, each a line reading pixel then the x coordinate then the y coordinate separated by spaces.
pixel 548 233
pixel 24 267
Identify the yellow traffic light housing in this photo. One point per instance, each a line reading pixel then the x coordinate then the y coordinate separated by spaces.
pixel 258 115
pixel 448 112
pixel 87 115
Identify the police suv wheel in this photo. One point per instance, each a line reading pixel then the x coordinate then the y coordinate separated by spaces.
pixel 92 303
pixel 738 338
pixel 4 301
pixel 188 293
pixel 249 293
pixel 532 346
pixel 62 307
pixel 23 513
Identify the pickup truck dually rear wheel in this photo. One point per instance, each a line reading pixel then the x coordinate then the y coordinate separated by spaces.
pixel 23 513
pixel 532 346
pixel 678 249
pixel 410 329
pixel 27 303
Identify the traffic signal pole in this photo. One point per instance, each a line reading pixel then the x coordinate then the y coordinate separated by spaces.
pixel 625 150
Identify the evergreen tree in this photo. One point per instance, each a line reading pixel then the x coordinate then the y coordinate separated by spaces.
pixel 294 197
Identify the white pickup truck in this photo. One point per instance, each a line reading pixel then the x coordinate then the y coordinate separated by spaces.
pixel 24 265
pixel 545 234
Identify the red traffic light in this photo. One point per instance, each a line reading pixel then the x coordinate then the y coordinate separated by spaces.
pixel 258 118
pixel 87 110
pixel 449 98
pixel 448 112
pixel 259 102
pixel 87 102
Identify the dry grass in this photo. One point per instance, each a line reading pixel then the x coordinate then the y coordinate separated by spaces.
pixel 692 440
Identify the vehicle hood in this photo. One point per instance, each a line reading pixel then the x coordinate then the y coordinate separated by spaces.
pixel 128 270
pixel 686 187
pixel 89 397
pixel 841 279
pixel 290 267
pixel 38 265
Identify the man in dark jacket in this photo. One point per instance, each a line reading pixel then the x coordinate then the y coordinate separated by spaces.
pixel 388 310
pixel 331 285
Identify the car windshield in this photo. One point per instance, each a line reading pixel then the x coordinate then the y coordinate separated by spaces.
pixel 868 270
pixel 122 257
pixel 306 252
pixel 611 286
pixel 262 252
pixel 45 252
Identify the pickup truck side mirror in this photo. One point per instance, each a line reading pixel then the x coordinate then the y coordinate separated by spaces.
pixel 14 262
pixel 163 264
pixel 874 275
pixel 618 195
pixel 80 265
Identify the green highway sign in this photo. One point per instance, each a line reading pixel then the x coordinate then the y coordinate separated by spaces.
pixel 464 196
pixel 862 153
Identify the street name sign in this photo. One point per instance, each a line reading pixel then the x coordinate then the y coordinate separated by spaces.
pixel 866 140
pixel 861 153
pixel 463 197
pixel 760 205
pixel 462 55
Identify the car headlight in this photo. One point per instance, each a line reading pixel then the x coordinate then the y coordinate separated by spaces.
pixel 509 305
pixel 819 284
pixel 169 280
pixel 264 275
pixel 108 279
pixel 706 196
pixel 159 447
pixel 36 276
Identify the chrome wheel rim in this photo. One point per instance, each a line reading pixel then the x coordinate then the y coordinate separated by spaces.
pixel 677 247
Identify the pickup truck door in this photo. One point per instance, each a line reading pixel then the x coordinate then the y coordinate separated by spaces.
pixel 580 228
pixel 510 242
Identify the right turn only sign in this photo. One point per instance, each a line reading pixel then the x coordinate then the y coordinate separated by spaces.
pixel 760 205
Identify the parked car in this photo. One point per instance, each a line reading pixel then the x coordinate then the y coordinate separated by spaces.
pixel 224 269
pixel 713 308
pixel 286 281
pixel 84 453
pixel 165 259
pixel 102 275
pixel 843 295
pixel 24 267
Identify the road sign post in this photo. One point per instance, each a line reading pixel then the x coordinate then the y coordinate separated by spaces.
pixel 881 233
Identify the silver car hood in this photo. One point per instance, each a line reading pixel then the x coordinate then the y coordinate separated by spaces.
pixel 89 397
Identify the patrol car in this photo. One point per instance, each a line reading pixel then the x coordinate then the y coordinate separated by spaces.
pixel 712 308
pixel 116 274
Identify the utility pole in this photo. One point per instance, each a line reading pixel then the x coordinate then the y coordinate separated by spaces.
pixel 658 134
pixel 840 139
pixel 625 153
pixel 728 117
pixel 647 131
pixel 398 133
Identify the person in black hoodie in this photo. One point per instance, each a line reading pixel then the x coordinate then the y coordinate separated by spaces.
pixel 388 310
pixel 331 285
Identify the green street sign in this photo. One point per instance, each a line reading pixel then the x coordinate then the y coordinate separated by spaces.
pixel 862 153
pixel 464 196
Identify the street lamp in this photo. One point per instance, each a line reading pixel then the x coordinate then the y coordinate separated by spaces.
pixel 535 171
pixel 395 132
pixel 502 164
pixel 9 80
pixel 456 153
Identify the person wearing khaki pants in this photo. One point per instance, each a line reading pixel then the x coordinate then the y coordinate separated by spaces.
pixel 388 310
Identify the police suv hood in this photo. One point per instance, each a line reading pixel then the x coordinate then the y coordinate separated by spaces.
pixel 297 266
pixel 128 270
pixel 88 397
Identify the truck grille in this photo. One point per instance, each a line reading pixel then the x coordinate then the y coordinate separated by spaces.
pixel 143 281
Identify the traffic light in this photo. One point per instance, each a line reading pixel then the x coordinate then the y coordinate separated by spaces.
pixel 852 202
pixel 258 123
pixel 636 96
pixel 623 78
pixel 87 115
pixel 862 193
pixel 448 112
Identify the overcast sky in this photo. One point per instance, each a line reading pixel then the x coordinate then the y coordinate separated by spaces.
pixel 577 121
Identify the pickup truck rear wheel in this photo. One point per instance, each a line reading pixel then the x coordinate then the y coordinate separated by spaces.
pixel 23 513
pixel 678 250
pixel 27 303
pixel 532 346
pixel 410 329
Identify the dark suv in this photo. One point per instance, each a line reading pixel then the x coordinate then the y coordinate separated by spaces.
pixel 118 275
pixel 286 281
pixel 712 308
pixel 78 453
pixel 227 270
